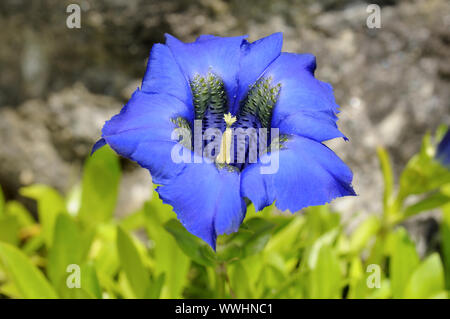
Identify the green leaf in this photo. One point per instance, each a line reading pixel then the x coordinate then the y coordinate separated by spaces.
pixel 9 230
pixel 2 202
pixel 133 221
pixel 170 260
pixel 431 202
pixel 192 246
pixel 427 280
pixel 16 209
pixel 131 262
pixel 388 176
pixel 384 292
pixel 423 173
pixel 100 186
pixel 90 286
pixel 239 281
pixel 30 282
pixel 251 238
pixel 326 276
pixel 66 250
pixel 154 291
pixel 50 204
pixel 358 287
pixel 445 234
pixel 404 260
pixel 325 240
pixel 287 237
pixel 363 233
pixel 105 253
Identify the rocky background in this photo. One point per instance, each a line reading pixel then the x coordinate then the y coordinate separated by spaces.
pixel 58 85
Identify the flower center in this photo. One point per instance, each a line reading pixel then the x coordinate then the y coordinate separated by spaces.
pixel 239 138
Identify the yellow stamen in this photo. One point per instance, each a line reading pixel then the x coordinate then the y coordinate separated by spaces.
pixel 225 145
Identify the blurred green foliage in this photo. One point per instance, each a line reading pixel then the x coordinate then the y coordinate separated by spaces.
pixel 149 254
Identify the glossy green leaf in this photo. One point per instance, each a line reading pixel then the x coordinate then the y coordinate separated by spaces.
pixel 363 233
pixel 104 252
pixel 154 290
pixel 2 203
pixel 16 209
pixel 89 280
pixel 423 173
pixel 404 260
pixel 427 280
pixel 100 186
pixel 9 230
pixel 430 202
pixel 251 238
pixel 50 205
pixel 357 280
pixel 192 246
pixel 131 262
pixel 388 176
pixel 169 258
pixel 326 276
pixel 287 238
pixel 239 282
pixel 66 250
pixel 445 234
pixel 29 281
pixel 325 240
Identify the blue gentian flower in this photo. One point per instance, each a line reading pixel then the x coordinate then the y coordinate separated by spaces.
pixel 443 150
pixel 225 83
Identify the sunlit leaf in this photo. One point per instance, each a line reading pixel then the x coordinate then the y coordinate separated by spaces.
pixel 192 246
pixel 363 233
pixel 66 249
pixel 428 203
pixel 325 240
pixel 388 175
pixel 251 238
pixel 445 235
pixel 16 209
pixel 50 204
pixel 326 276
pixel 30 282
pixel 427 280
pixel 169 258
pixel 130 260
pixel 239 281
pixel 2 202
pixel 404 260
pixel 9 230
pixel 100 186
pixel 423 173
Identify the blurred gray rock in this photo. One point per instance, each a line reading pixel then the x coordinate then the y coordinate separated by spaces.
pixel 47 141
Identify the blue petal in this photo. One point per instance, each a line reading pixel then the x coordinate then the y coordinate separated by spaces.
pixel 216 54
pixel 256 57
pixel 309 174
pixel 142 132
pixel 443 151
pixel 317 125
pixel 206 200
pixel 163 75
pixel 206 37
pixel 300 90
